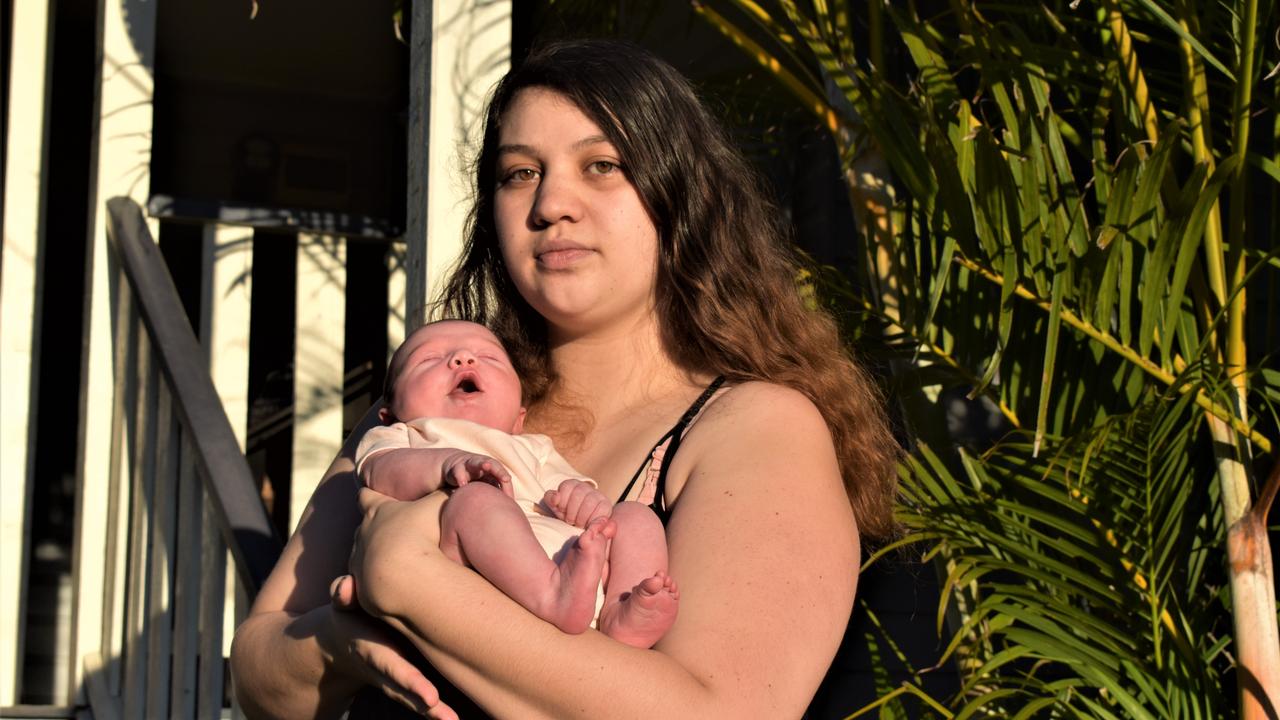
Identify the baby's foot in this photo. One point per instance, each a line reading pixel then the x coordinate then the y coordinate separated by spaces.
pixel 641 617
pixel 577 577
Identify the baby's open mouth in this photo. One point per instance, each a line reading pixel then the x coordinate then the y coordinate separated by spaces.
pixel 467 385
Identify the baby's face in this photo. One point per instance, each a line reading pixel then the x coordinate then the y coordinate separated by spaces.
pixel 456 369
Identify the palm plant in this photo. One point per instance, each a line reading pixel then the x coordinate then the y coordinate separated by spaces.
pixel 1085 208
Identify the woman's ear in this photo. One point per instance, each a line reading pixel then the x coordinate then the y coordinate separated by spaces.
pixel 519 425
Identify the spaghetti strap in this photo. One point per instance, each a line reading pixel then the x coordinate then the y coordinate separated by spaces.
pixel 669 443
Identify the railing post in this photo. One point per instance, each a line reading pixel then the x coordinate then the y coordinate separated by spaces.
pixel 160 574
pixel 142 480
pixel 113 559
pixel 186 591
pixel 21 262
pixel 213 559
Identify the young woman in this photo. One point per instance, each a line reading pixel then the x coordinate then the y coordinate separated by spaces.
pixel 626 256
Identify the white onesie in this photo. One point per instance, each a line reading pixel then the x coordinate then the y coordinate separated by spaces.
pixel 532 460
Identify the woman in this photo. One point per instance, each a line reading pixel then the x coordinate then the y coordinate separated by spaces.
pixel 624 253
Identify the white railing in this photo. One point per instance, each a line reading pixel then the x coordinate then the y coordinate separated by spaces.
pixel 180 496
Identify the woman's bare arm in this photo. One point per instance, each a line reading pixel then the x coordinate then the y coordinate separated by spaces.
pixel 764 546
pixel 295 656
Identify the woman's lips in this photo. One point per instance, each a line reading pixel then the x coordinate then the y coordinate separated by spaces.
pixel 561 257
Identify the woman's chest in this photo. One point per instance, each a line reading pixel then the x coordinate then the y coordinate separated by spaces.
pixel 613 452
pixel 612 459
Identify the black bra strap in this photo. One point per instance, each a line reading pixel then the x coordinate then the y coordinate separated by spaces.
pixel 674 434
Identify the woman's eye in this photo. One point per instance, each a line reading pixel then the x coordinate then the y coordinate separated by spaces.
pixel 604 167
pixel 521 175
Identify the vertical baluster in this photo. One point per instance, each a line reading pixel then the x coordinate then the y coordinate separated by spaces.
pixel 137 610
pixel 124 405
pixel 225 307
pixel 242 612
pixel 163 528
pixel 186 600
pixel 213 560
pixel 395 260
pixel 318 364
pixel 98 554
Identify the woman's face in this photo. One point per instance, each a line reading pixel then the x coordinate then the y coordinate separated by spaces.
pixel 574 234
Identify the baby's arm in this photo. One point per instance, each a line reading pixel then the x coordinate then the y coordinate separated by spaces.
pixel 577 502
pixel 411 473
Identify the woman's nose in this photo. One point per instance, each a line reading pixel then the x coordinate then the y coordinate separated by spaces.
pixel 557 199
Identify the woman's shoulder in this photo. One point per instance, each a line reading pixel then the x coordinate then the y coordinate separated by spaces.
pixel 759 420
pixel 754 438
pixel 780 407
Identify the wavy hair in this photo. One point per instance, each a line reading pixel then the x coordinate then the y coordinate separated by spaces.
pixel 726 295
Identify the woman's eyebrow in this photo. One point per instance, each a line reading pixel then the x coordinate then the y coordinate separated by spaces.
pixel 515 149
pixel 591 140
pixel 521 149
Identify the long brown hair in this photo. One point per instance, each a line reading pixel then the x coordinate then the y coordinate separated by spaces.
pixel 726 293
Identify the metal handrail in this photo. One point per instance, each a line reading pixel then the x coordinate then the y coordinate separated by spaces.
pixel 244 524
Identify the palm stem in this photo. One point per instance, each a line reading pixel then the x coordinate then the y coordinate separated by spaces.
pixel 875 29
pixel 1124 351
pixel 1197 126
pixel 1133 74
pixel 1248 546
pixel 1236 355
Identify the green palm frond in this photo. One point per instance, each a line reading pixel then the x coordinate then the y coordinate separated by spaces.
pixel 1081 213
pixel 1068 575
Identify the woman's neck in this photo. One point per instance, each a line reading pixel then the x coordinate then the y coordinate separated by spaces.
pixel 611 372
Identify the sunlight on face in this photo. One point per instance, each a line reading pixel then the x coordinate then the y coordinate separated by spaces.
pixel 575 236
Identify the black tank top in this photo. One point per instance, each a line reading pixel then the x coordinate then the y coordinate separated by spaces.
pixel 672 439
pixel 371 704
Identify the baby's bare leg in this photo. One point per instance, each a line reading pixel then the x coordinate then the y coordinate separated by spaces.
pixel 640 599
pixel 483 528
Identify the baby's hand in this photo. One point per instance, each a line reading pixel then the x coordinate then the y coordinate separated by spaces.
pixel 464 467
pixel 578 503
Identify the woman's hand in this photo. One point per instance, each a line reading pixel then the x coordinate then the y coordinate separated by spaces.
pixel 391 529
pixel 364 647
